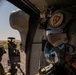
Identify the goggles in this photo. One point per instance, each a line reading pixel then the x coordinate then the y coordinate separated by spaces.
pixel 53 31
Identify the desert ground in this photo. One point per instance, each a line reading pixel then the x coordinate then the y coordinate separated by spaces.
pixel 22 63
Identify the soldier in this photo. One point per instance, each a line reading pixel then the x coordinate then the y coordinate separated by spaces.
pixel 61 46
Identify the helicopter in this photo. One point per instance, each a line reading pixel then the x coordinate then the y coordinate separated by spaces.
pixel 34 37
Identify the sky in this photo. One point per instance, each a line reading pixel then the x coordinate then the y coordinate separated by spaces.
pixel 5 29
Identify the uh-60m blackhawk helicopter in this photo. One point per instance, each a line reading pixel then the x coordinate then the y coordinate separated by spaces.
pixel 49 35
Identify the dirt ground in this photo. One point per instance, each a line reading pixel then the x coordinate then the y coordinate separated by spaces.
pixel 22 63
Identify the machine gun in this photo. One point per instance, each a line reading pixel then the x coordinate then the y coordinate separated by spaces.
pixel 13 52
pixel 14 55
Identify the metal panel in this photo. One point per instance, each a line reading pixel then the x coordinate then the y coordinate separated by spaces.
pixel 35 57
pixel 61 2
pixel 40 4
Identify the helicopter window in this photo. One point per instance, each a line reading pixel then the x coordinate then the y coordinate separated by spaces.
pixel 7 30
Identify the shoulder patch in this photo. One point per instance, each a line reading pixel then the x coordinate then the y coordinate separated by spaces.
pixel 56 19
